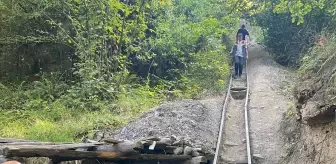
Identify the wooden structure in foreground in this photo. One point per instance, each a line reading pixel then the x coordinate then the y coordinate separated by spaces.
pixel 151 149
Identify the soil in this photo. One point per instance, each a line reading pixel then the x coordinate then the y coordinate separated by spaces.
pixel 234 143
pixel 309 145
pixel 310 139
pixel 269 100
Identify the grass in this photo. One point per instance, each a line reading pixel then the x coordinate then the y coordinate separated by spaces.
pixel 56 122
pixel 59 123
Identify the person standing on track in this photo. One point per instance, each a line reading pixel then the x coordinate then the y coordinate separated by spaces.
pixel 246 36
pixel 239 52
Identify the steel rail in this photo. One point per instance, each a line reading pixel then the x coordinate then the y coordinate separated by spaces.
pixel 247 131
pixel 221 128
pixel 222 121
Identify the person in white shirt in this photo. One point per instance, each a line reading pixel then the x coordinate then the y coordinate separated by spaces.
pixel 239 52
pixel 246 36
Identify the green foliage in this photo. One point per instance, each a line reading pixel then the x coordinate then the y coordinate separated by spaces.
pixel 258 33
pixel 321 59
pixel 186 31
pixel 135 101
pixel 210 72
pixel 299 9
pixel 289 40
pixel 82 65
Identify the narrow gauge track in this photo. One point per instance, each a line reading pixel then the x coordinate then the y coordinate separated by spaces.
pixel 233 144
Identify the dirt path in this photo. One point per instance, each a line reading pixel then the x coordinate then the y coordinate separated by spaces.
pixel 233 143
pixel 267 105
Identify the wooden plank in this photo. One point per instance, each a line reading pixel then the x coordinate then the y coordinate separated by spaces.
pixel 35 143
pixel 78 155
pixel 112 141
pixel 60 146
pixel 126 147
pixel 11 140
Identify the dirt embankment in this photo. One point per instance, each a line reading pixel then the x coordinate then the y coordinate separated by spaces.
pixel 311 136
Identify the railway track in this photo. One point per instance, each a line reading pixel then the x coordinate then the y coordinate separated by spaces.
pixel 233 144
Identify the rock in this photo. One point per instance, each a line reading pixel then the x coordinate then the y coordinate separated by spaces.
pixel 258 156
pixel 178 151
pixel 228 160
pixel 187 150
pixel 197 152
pixel 173 138
pixel 167 141
pixel 316 115
pixel 230 144
pixel 178 143
pixel 99 135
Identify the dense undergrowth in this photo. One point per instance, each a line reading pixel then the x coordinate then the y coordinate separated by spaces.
pixel 55 111
pixel 70 68
pixel 291 28
pixel 47 113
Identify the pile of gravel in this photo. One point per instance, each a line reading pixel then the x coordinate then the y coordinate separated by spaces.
pixel 197 122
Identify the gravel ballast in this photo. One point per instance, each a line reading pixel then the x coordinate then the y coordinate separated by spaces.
pixel 194 121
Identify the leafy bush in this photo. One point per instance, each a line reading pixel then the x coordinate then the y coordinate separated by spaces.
pixel 286 35
pixel 107 63
pixel 320 63
pixel 321 58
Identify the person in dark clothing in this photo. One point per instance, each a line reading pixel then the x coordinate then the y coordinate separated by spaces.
pixel 245 36
pixel 243 31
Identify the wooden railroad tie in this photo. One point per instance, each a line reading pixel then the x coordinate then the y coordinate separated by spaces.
pixel 150 149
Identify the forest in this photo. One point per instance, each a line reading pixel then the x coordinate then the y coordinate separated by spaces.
pixel 71 67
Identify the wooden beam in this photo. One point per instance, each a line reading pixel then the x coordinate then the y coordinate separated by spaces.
pixel 11 140
pixel 126 147
pixel 112 141
pixel 35 143
pixel 78 155
pixel 58 146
